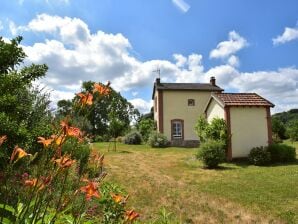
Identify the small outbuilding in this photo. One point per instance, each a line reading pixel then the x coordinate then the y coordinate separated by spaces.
pixel 248 120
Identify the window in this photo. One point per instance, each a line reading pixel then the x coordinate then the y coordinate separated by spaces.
pixel 155 104
pixel 177 129
pixel 191 102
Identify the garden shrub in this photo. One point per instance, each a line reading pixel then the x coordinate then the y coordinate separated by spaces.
pixel 98 138
pixel 259 156
pixel 215 130
pixel 120 139
pixel 282 153
pixel 158 140
pixel 133 138
pixel 212 153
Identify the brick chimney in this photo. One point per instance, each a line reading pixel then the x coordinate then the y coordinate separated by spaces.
pixel 157 81
pixel 212 80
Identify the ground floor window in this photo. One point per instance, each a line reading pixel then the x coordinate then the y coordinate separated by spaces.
pixel 177 129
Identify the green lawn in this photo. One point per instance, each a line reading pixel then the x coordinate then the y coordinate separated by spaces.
pixel 173 179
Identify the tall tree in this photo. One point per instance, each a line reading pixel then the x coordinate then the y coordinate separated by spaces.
pixel 24 110
pixel 99 113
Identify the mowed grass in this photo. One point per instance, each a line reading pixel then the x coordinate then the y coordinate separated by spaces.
pixel 173 179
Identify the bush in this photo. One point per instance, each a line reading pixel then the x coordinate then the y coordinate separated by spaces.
pixel 212 153
pixel 98 138
pixel 133 138
pixel 158 140
pixel 282 153
pixel 259 156
pixel 216 130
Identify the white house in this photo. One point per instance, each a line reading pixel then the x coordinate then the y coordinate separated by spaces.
pixel 177 107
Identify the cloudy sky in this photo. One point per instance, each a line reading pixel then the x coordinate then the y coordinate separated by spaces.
pixel 249 46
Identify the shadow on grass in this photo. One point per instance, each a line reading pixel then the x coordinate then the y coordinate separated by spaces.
pixel 124 151
pixel 243 163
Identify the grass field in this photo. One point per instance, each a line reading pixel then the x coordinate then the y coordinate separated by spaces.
pixel 173 179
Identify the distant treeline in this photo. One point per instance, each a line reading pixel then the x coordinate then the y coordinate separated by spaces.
pixel 285 125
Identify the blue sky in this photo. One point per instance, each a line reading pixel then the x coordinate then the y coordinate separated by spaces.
pixel 249 46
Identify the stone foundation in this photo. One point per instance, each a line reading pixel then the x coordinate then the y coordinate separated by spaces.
pixel 185 143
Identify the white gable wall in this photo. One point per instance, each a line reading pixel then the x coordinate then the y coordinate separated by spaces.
pixel 214 111
pixel 248 129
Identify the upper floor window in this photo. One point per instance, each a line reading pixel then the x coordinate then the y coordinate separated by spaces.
pixel 191 102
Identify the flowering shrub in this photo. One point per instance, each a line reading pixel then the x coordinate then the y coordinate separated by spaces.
pixel 55 184
pixel 158 140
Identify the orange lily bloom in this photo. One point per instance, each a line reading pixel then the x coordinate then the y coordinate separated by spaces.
pixel 131 215
pixel 85 98
pixel 76 132
pixel 64 162
pixel 90 190
pixel 119 198
pixel 2 139
pixel 101 89
pixel 19 153
pixel 45 142
pixel 59 140
pixel 36 183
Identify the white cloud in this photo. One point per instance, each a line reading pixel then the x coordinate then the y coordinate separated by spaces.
pixel 101 56
pixel 180 60
pixel 1 25
pixel 142 105
pixel 13 28
pixel 134 93
pixel 181 5
pixel 226 48
pixel 289 34
pixel 233 61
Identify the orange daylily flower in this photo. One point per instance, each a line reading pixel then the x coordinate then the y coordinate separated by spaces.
pixel 131 215
pixel 59 140
pixel 72 131
pixel 64 162
pixel 45 142
pixel 90 190
pixel 2 139
pixel 119 198
pixel 85 98
pixel 101 89
pixel 19 153
pixel 37 183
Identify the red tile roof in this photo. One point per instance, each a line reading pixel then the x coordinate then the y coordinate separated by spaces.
pixel 242 99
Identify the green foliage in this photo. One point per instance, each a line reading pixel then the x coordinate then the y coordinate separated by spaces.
pixel 145 126
pixel 286 117
pixel 11 55
pixel 292 130
pixel 116 126
pixel 133 138
pixel 112 211
pixel 259 156
pixel 216 130
pixel 79 151
pixel 278 128
pixel 201 127
pixel 212 153
pixel 158 140
pixel 64 107
pixel 24 110
pixel 282 153
pixel 98 138
pixel 103 105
